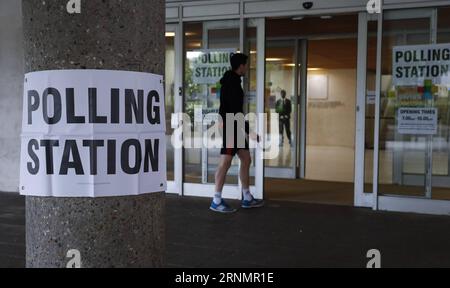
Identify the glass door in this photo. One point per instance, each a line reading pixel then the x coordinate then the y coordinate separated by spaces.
pixel 208 46
pixel 312 90
pixel 217 37
pixel 282 91
pixel 411 138
pixel 403 157
pixel 406 154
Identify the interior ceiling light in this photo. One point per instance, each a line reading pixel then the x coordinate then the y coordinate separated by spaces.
pixel 298 18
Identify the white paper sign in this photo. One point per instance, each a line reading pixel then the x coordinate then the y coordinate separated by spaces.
pixel 208 66
pixel 371 97
pixel 92 133
pixel 417 121
pixel 414 64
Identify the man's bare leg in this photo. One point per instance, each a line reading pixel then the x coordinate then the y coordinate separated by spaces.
pixel 244 172
pixel 222 169
pixel 218 205
pixel 221 173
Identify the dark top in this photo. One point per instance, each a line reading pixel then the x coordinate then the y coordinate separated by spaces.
pixel 231 94
pixel 232 97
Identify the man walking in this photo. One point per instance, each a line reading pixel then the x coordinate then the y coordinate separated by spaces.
pixel 232 104
pixel 284 108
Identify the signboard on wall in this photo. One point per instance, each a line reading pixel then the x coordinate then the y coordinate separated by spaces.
pixel 208 66
pixel 92 133
pixel 417 121
pixel 412 65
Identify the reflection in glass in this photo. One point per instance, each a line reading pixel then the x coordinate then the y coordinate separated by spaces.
pixel 169 98
pixel 280 79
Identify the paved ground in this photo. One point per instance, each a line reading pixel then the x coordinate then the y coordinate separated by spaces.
pixel 282 234
pixel 12 230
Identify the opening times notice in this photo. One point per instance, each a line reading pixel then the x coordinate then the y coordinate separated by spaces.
pixel 417 121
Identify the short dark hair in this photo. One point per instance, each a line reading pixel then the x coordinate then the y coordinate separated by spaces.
pixel 238 59
pixel 283 93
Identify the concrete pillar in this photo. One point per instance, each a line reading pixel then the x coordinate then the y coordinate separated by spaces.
pixel 117 35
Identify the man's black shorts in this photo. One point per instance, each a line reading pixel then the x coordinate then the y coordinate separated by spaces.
pixel 230 147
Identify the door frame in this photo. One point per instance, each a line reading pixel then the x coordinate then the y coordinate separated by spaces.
pixel 361 199
pixel 176 186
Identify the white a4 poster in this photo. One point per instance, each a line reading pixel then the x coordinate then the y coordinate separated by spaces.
pixel 92 133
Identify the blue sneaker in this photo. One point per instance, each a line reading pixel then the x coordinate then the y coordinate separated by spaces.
pixel 221 208
pixel 254 203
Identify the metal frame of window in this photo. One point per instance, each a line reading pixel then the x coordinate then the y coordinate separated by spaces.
pixel 236 9
pixel 176 186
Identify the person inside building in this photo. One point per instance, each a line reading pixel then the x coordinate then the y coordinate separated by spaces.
pixel 232 104
pixel 284 108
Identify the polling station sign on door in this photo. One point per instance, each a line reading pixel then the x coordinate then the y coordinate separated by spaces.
pixel 208 66
pixel 92 133
pixel 420 74
pixel 412 65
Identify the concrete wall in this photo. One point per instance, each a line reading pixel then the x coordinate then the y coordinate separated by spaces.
pixel 11 86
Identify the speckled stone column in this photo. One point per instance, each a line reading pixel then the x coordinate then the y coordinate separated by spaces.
pixel 117 35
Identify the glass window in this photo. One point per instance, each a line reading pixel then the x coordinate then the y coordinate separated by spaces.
pixel 193 96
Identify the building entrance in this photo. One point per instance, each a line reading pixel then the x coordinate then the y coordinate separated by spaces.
pixel 311 68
